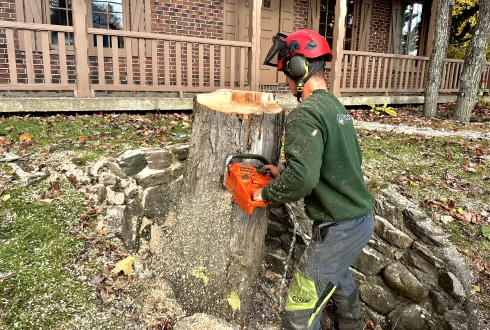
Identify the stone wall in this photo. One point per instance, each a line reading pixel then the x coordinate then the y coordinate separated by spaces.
pixel 138 191
pixel 409 275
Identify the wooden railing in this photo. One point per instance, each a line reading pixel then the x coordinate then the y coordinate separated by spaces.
pixel 373 72
pixel 141 62
pixel 168 63
pixel 364 72
pixel 33 69
pixel 451 75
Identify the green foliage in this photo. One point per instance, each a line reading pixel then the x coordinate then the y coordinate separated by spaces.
pixel 464 18
pixel 384 109
pixel 456 52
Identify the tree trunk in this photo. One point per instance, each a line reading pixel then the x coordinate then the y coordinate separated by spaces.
pixel 474 64
pixel 215 247
pixel 436 61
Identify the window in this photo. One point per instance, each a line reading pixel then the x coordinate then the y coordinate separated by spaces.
pixel 327 21
pixel 102 14
pixel 408 41
pixel 265 3
pixel 60 13
pixel 108 14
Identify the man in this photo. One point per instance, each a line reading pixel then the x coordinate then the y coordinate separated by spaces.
pixel 324 168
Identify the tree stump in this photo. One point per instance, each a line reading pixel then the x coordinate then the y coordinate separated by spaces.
pixel 214 249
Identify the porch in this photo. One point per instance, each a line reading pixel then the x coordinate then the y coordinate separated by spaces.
pixel 157 70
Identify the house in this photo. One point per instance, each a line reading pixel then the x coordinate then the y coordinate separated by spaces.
pixel 93 47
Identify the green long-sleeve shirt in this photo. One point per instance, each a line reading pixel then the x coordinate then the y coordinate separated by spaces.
pixel 323 162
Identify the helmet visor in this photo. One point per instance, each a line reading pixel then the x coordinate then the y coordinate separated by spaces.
pixel 278 43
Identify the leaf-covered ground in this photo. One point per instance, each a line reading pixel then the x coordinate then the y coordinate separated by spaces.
pixel 57 265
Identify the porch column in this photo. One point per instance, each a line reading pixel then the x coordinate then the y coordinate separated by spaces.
pixel 432 27
pixel 81 49
pixel 338 46
pixel 255 7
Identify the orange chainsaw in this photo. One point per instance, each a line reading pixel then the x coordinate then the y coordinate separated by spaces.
pixel 242 179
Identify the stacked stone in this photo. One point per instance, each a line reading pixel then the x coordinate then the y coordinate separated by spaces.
pixel 139 190
pixel 409 275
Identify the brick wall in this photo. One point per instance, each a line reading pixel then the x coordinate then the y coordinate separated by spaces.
pixel 7 10
pixel 380 24
pixel 188 18
pixel 7 13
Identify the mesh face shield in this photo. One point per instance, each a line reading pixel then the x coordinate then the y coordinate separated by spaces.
pixel 278 50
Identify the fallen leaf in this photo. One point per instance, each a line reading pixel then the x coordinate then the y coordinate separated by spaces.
pixel 25 137
pixel 446 219
pixel 102 233
pixel 97 280
pixel 476 288
pixel 6 198
pixel 72 178
pixel 106 271
pixel 107 295
pixel 125 265
pixel 55 186
pixel 44 201
pixel 4 140
pixel 234 300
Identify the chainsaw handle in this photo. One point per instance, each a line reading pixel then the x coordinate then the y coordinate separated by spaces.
pixel 243 156
pixel 246 156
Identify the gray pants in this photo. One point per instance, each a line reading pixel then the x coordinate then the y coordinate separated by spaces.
pixel 323 274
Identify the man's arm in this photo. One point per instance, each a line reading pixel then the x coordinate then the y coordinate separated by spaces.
pixel 303 150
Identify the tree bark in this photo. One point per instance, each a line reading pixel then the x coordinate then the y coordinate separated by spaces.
pixel 215 247
pixel 436 61
pixel 474 64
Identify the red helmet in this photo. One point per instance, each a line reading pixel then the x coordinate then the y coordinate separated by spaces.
pixel 304 42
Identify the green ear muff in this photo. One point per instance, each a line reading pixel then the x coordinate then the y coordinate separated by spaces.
pixel 297 66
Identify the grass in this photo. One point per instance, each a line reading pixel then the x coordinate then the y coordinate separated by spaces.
pixel 430 168
pixel 102 132
pixel 39 289
pixel 48 261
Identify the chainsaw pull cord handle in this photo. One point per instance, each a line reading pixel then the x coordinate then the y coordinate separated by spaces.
pixel 242 156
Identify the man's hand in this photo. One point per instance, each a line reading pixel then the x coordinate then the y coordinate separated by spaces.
pixel 257 196
pixel 273 170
